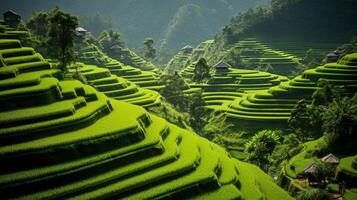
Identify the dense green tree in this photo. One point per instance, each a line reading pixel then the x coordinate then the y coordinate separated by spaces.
pixel 174 85
pixel 201 72
pixel 290 147
pixel 61 37
pixel 324 95
pixel 197 111
pixel 38 28
pixel 261 146
pixel 321 98
pixel 229 35
pixel 300 121
pixel 216 126
pixel 310 60
pixel 149 50
pixel 339 122
pixel 234 58
pixel 38 23
pixel 324 170
pixel 298 19
pixel 110 38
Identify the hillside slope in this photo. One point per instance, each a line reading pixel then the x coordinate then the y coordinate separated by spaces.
pixel 165 21
pixel 62 139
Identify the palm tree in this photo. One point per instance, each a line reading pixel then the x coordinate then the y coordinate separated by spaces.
pixel 340 120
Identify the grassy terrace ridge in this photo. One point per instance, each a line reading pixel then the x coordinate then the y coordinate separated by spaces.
pixel 252 53
pixel 64 139
pixel 117 87
pixel 225 87
pixel 274 105
pixel 299 48
pixel 256 54
pixel 148 79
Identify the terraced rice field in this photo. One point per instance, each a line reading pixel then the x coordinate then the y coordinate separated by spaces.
pixel 185 58
pixel 258 55
pixel 94 56
pixel 226 86
pixel 181 60
pixel 61 139
pixel 132 59
pixel 118 88
pixel 273 106
pixel 299 49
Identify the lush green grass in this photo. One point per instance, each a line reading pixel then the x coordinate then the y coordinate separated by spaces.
pixel 64 139
pixel 224 192
pixel 297 163
pixel 350 194
pixel 332 187
pixel 117 87
pixel 231 85
pixel 257 185
pixel 239 154
pixel 140 72
pixel 348 165
pixel 9 44
pixel 256 54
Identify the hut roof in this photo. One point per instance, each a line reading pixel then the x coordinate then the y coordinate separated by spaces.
pixel 11 12
pixel 222 65
pixel 332 54
pixel 310 168
pixel 187 47
pixel 330 158
pixel 80 29
pixel 338 51
pixel 116 46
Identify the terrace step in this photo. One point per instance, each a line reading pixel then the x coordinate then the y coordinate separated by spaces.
pixel 45 92
pixel 188 161
pixel 10 53
pixel 9 44
pixel 204 177
pixel 100 169
pixel 74 143
pixel 23 59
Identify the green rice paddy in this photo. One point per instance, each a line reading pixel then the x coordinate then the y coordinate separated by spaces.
pixel 62 139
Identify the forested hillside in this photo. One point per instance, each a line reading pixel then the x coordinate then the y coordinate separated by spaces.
pixel 296 28
pixel 302 20
pixel 172 23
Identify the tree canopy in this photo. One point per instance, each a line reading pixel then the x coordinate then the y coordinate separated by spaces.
pixel 61 36
pixel 201 72
pixel 149 50
pixel 261 146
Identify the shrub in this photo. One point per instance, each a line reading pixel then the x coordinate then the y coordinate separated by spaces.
pixel 312 194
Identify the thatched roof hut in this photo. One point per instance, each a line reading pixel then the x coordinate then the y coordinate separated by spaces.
pixel 222 66
pixel 330 158
pixel 310 169
pixel 11 18
pixel 187 49
pixel 332 57
pixel 80 31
